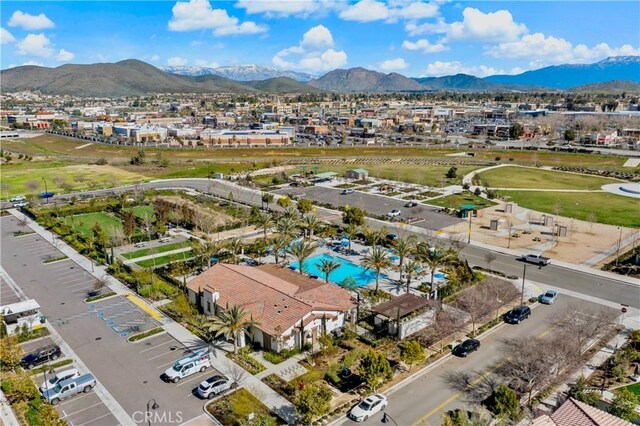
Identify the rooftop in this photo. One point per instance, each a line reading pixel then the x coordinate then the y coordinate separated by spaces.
pixel 407 304
pixel 576 413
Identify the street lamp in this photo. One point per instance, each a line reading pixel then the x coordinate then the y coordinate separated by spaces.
pixel 524 274
pixel 150 407
pixel 46 192
pixel 619 245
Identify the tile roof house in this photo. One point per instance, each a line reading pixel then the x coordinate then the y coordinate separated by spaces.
pixel 291 309
pixel 576 413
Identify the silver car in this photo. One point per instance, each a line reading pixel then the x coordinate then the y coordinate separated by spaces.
pixel 213 386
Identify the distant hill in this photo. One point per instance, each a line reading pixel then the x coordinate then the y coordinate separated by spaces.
pixel 282 85
pixel 364 80
pixel 465 82
pixel 239 72
pixel 615 86
pixel 567 76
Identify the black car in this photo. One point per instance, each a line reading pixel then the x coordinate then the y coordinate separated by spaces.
pixel 466 347
pixel 41 355
pixel 518 314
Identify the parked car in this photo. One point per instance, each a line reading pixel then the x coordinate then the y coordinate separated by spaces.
pixel 213 386
pixel 466 347
pixel 368 407
pixel 347 191
pixel 165 240
pixel 549 297
pixel 394 213
pixel 518 314
pixel 140 245
pixel 40 356
pixel 197 361
pixel 535 258
pixel 17 199
pixel 21 204
pixel 411 204
pixel 60 376
pixel 70 387
pixel 46 194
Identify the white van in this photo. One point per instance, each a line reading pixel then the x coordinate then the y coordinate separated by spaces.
pixel 71 373
pixel 195 362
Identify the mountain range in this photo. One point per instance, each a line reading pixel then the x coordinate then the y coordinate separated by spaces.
pixel 239 72
pixel 133 77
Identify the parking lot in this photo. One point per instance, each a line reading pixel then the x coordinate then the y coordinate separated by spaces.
pixel 97 333
pixel 374 204
pixel 7 295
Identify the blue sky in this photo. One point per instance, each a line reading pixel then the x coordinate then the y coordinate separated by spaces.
pixel 413 37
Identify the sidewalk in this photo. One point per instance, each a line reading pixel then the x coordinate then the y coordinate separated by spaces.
pixel 268 396
pixel 7 417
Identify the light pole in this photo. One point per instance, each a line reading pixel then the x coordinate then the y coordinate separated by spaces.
pixel 386 418
pixel 150 407
pixel 470 213
pixel 46 192
pixel 619 245
pixel 524 274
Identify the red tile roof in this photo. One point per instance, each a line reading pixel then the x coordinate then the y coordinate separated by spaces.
pixel 576 413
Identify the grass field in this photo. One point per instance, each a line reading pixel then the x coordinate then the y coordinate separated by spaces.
pixel 525 177
pixel 143 212
pixel 423 175
pixel 608 208
pixel 635 388
pixel 159 249
pixel 235 407
pixel 84 223
pixel 162 260
pixel 27 178
pixel 456 200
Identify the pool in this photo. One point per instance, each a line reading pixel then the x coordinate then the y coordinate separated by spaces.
pixel 439 275
pixel 360 274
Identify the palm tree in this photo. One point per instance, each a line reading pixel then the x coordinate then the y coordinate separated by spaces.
pixel 231 323
pixel 234 245
pixel 374 236
pixel 266 199
pixel 403 247
pixel 290 213
pixel 207 249
pixel 311 223
pixel 278 244
pixel 410 269
pixel 352 232
pixel 327 267
pixel 265 221
pixel 301 251
pixel 378 260
pixel 433 257
pixel 287 227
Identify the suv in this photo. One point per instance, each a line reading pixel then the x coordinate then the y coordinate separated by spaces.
pixel 213 386
pixel 466 347
pixel 518 314
pixel 40 356
pixel 394 213
pixel 347 191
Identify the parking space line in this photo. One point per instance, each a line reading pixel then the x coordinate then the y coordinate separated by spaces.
pixel 195 376
pixel 93 420
pixel 166 365
pixel 82 409
pixel 78 398
pixel 162 354
pixel 158 345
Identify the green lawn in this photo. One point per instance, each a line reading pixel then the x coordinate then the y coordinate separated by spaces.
pixel 162 260
pixel 144 212
pixel 635 388
pixel 525 177
pixel 84 223
pixel 608 208
pixel 155 250
pixel 456 200
pixel 234 408
pixel 424 175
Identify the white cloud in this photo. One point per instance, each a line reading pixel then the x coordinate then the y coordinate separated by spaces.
pixel 393 64
pixel 176 61
pixel 285 8
pixel 475 26
pixel 415 10
pixel 315 52
pixel 195 43
pixel 424 46
pixel 6 37
pixel 36 63
pixel 30 22
pixel 198 15
pixel 439 68
pixel 64 55
pixel 35 45
pixel 206 64
pixel 543 50
pixel 154 58
pixel 365 11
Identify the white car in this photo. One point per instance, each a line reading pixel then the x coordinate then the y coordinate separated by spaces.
pixel 18 198
pixel 21 204
pixel 347 191
pixel 140 245
pixel 368 407
pixel 213 386
pixel 394 213
pixel 71 373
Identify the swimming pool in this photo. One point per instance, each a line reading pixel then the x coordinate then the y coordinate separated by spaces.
pixel 360 274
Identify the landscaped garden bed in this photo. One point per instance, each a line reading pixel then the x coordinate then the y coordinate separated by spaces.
pixel 246 361
pixel 145 334
pixel 99 296
pixel 233 409
pixel 54 259
pixel 27 334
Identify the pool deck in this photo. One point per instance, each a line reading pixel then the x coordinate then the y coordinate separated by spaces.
pixel 389 283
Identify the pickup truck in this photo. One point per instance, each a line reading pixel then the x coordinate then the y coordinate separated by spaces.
pixel 535 258
pixel 68 388
pixel 197 361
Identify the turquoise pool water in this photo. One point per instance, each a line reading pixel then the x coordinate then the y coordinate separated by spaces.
pixel 360 274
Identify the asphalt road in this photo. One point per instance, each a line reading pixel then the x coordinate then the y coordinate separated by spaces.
pixel 97 332
pixel 424 400
pixel 609 289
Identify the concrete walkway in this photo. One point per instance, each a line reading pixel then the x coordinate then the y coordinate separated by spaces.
pixel 156 255
pixel 612 250
pixel 268 396
pixel 287 370
pixel 7 416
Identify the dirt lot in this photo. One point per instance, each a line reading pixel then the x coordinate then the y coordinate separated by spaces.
pixel 583 242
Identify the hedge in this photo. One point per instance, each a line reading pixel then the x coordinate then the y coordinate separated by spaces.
pixel 99 296
pixel 147 333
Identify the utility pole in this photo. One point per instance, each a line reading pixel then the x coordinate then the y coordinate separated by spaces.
pixel 524 274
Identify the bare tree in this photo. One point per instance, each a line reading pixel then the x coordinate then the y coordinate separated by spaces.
pixel 489 257
pixel 235 373
pixel 446 324
pixel 457 242
pixel 475 386
pixel 477 302
pixel 584 324
pixel 591 218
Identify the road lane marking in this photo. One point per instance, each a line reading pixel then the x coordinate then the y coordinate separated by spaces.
pixel 157 346
pixel 85 408
pixel 93 420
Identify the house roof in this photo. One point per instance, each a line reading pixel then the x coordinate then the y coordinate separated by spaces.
pixel 274 302
pixel 359 171
pixel 576 413
pixel 407 303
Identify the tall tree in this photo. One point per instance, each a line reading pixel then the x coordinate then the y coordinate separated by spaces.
pixel 411 268
pixel 311 223
pixel 129 224
pixel 234 245
pixel 433 257
pixel 278 246
pixel 301 251
pixel 265 221
pixel 377 260
pixel 403 247
pixel 287 227
pixel 351 231
pixel 231 323
pixel 327 267
pixel 207 249
pixel 266 199
pixel 375 368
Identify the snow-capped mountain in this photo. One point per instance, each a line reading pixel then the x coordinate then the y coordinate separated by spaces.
pixel 239 72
